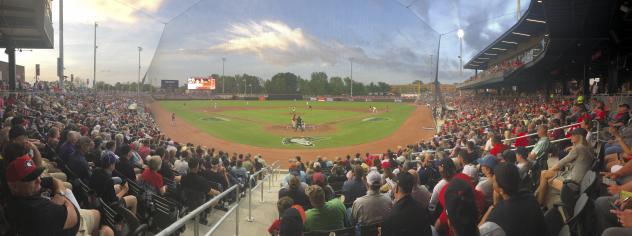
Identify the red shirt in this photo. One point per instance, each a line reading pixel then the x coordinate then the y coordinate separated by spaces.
pixel 497 149
pixel 479 199
pixel 600 114
pixel 153 178
pixel 276 225
pixel 144 151
pixel 522 142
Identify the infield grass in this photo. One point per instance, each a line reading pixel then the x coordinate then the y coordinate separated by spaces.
pixel 264 123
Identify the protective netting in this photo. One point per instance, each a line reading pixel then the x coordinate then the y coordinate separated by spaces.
pixel 383 40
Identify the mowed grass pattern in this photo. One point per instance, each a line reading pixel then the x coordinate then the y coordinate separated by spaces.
pixel 248 126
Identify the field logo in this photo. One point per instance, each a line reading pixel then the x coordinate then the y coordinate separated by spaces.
pixel 375 119
pixel 303 141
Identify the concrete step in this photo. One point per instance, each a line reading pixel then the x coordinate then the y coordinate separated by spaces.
pixel 263 214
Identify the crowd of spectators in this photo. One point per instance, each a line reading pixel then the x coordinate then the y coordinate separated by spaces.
pixel 479 175
pixel 497 166
pixel 65 155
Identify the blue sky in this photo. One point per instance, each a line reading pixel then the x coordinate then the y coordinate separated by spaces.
pixel 389 40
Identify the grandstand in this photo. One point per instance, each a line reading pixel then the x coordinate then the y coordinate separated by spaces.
pixel 537 142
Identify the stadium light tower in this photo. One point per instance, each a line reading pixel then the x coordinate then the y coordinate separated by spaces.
pixel 223 79
pixel 138 83
pixel 460 34
pixel 94 59
pixel 351 79
pixel 60 60
pixel 438 95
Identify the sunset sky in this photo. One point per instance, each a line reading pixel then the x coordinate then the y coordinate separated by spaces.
pixel 389 40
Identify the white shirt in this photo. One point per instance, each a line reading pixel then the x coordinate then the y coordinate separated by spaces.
pixel 491 229
pixel 434 199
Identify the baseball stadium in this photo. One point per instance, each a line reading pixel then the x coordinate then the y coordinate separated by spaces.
pixel 316 118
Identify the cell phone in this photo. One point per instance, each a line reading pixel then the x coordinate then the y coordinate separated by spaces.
pixel 46 182
pixel 613 205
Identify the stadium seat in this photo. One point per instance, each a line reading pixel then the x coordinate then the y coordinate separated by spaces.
pixel 121 220
pixel 370 230
pixel 350 231
pixel 587 185
pixel 558 222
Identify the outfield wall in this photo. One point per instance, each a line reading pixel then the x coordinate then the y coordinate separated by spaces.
pixel 258 97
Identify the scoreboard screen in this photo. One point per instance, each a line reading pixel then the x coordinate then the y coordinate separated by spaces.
pixel 201 83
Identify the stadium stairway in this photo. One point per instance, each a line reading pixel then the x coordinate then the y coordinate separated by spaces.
pixel 263 214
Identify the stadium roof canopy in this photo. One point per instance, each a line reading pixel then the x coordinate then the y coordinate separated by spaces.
pixel 577 32
pixel 531 24
pixel 26 24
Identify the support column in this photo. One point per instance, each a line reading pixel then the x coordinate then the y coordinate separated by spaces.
pixel 547 90
pixel 586 81
pixel 11 54
pixel 613 76
pixel 564 86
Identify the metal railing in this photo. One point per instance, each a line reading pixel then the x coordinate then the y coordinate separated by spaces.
pixel 195 214
pixel 270 173
pixel 252 177
pixel 532 134
pixel 274 172
pixel 598 125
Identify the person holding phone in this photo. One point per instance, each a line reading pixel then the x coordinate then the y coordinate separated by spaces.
pixel 32 213
pixel 101 182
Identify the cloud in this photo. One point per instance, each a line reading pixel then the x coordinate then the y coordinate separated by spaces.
pixel 278 44
pixel 120 11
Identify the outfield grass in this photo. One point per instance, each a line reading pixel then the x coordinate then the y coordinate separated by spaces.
pixel 248 126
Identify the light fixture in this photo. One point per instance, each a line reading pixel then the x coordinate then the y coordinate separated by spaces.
pixel 539 1
pixel 536 21
pixel 490 54
pixel 521 34
pixel 508 42
pixel 460 33
pixel 500 49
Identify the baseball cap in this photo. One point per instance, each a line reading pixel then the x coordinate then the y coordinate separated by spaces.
pixel 23 169
pixel 374 178
pixel 579 131
pixel 488 161
pixel 386 164
pixel 16 131
pixel 318 178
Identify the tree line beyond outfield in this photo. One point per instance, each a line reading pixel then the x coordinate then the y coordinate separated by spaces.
pixel 281 83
